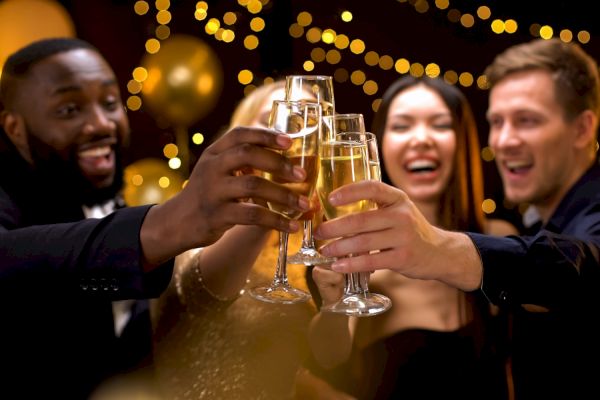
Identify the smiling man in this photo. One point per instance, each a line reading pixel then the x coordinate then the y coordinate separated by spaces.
pixel 60 272
pixel 544 105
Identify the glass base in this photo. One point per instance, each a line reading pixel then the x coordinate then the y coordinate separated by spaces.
pixel 309 256
pixel 282 294
pixel 360 305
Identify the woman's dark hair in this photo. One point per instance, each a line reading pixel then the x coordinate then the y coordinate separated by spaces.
pixel 460 205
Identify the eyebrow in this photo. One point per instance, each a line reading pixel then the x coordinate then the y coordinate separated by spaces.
pixel 77 88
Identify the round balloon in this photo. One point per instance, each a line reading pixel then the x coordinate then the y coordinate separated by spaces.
pixel 184 80
pixel 25 21
pixel 150 181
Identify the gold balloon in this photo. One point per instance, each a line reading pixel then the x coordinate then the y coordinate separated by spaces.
pixel 25 21
pixel 150 181
pixel 184 80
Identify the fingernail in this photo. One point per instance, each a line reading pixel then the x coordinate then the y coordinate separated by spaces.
pixel 304 203
pixel 333 199
pixel 299 173
pixel 339 265
pixel 283 140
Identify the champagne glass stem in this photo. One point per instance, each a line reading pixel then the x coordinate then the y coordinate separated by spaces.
pixel 307 238
pixel 280 278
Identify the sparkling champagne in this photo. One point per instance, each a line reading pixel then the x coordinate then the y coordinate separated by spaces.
pixel 341 163
pixel 375 170
pixel 311 166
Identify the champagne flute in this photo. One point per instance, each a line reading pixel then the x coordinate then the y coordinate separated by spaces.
pixel 317 88
pixel 302 122
pixel 345 159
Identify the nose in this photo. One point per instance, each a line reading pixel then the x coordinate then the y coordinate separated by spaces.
pixel 421 135
pixel 98 121
pixel 503 137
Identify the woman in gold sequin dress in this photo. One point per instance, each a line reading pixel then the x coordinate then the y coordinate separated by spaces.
pixel 212 341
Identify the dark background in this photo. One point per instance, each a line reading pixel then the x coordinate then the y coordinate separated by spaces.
pixel 389 27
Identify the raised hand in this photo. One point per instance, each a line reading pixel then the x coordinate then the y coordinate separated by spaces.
pixel 212 202
pixel 408 243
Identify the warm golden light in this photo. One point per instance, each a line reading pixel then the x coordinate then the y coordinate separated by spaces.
pixel 566 35
pixel 162 4
pixel 152 46
pixel 432 70
pixel 328 36
pixel 546 32
pixel 333 56
pixel 134 87
pixel 245 76
pixel 296 31
pixel 510 26
pixel 487 154
pixel 229 18
pixel 402 66
pixel 467 20
pixel 212 26
pixel 346 16
pixel 170 150
pixel 370 87
pixel 141 7
pixel 317 54
pixel 422 6
pixel 200 14
pixel 342 41
pixel 257 24
pixel 358 77
pixel 174 163
pixel 308 66
pixel 163 17
pixel 357 46
pixel 313 35
pixel 583 37
pixel 137 180
pixel 251 42
pixel 488 206
pixel 442 4
pixel 497 26
pixel 371 58
pixel 228 36
pixel 466 79
pixel 375 105
pixel 164 182
pixel 254 6
pixel 134 103
pixel 197 138
pixel 140 74
pixel 162 32
pixel 417 69
pixel 482 82
pixel 304 19
pixel 484 12
pixel 451 77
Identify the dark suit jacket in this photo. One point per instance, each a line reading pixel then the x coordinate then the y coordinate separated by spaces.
pixel 58 276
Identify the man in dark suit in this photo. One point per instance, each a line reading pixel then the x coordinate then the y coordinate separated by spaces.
pixel 64 125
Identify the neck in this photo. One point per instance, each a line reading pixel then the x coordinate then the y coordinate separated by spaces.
pixel 430 210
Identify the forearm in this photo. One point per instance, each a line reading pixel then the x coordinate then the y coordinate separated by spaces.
pixel 330 339
pixel 460 258
pixel 226 263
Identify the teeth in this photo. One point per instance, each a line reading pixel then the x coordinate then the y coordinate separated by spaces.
pixel 419 165
pixel 95 152
pixel 513 165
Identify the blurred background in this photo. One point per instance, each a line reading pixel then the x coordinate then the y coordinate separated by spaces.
pixel 184 65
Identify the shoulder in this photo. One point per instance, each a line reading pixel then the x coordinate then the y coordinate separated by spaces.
pixel 499 227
